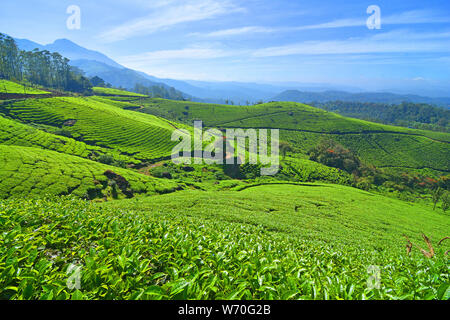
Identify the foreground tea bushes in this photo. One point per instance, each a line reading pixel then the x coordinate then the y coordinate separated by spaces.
pixel 126 254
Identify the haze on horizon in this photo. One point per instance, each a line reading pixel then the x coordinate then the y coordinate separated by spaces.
pixel 256 40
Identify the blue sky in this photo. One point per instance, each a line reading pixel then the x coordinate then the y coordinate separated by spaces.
pixel 254 40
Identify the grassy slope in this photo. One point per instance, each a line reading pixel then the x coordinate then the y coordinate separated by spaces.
pixel 303 126
pixel 7 86
pixel 109 123
pixel 281 115
pixel 329 213
pixel 15 133
pixel 201 245
pixel 115 92
pixel 36 172
pixel 272 241
pixel 139 135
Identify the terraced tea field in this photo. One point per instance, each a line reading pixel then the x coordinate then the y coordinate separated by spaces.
pixel 115 92
pixel 312 211
pixel 279 115
pixel 15 133
pixel 195 233
pixel 304 170
pixel 32 172
pixel 302 126
pixel 143 137
pixel 10 87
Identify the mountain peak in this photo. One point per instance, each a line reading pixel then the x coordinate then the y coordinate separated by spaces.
pixel 64 43
pixel 63 40
pixel 73 51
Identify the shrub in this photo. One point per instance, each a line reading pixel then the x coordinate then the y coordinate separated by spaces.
pixel 106 159
pixel 333 154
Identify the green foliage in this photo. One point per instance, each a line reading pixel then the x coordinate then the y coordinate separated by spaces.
pixel 281 237
pixel 115 92
pixel 446 201
pixel 11 87
pixel 333 154
pixel 159 92
pixel 406 114
pixel 97 82
pixel 140 136
pixel 32 172
pixel 15 133
pixel 303 126
pixel 302 170
pixel 43 68
pixel 156 249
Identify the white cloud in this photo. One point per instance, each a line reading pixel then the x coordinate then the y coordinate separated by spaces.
pixel 415 17
pixel 170 13
pixel 407 17
pixel 404 18
pixel 236 31
pixel 405 34
pixel 191 53
pixel 354 49
pixel 390 42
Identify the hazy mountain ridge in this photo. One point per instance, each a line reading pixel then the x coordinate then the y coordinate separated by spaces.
pixel 94 63
pixel 68 49
pixel 374 97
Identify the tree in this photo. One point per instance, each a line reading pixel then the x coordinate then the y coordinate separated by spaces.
pixel 284 148
pixel 437 194
pixel 97 82
pixel 42 68
pixel 446 201
pixel 333 154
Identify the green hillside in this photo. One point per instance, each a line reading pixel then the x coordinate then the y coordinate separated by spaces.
pixel 11 87
pixel 268 242
pixel 115 92
pixel 323 212
pixel 141 136
pixel 156 230
pixel 35 172
pixel 302 126
pixel 16 133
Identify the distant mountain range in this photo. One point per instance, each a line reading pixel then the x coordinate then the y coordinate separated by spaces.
pixel 69 50
pixel 95 63
pixel 375 97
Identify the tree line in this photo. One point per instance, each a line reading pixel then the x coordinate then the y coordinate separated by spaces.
pixel 43 68
pixel 159 92
pixel 406 185
pixel 406 114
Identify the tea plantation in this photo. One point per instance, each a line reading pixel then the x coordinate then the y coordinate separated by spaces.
pixel 10 87
pixel 303 126
pixel 26 172
pixel 252 244
pixel 144 137
pixel 86 184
